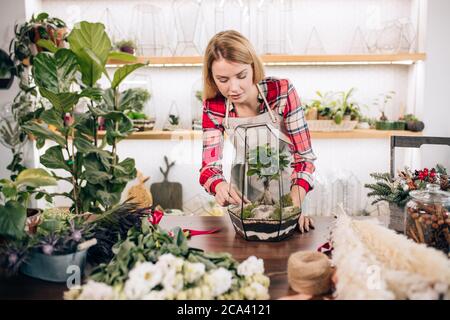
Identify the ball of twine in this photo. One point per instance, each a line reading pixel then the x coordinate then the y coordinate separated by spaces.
pixel 310 272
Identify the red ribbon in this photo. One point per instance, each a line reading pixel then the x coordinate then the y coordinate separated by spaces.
pixel 192 233
pixel 156 216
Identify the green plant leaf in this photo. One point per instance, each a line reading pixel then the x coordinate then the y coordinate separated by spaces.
pixel 12 219
pixel 51 116
pixel 122 56
pixel 43 133
pixel 92 93
pixel 53 158
pixel 35 177
pixel 93 37
pixel 55 72
pixel 123 72
pixel 47 44
pixel 63 102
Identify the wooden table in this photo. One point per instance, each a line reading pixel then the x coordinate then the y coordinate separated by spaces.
pixel 275 255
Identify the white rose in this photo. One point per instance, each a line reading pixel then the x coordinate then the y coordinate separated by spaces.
pixel 219 280
pixel 141 279
pixel 251 266
pixel 193 271
pixel 93 290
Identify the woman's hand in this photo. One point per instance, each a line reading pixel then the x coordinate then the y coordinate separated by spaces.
pixel 298 195
pixel 226 195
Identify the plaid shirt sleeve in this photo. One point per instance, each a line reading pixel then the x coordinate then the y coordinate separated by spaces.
pixel 211 172
pixel 298 132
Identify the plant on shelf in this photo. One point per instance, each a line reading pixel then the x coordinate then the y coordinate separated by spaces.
pixel 325 105
pixel 381 102
pixel 15 196
pixel 127 46
pixel 153 263
pixel 199 95
pixel 96 174
pixel 413 123
pixel 396 190
pixel 134 99
pixel 174 120
pixel 348 107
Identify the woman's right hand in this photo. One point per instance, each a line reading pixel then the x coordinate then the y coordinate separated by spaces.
pixel 226 195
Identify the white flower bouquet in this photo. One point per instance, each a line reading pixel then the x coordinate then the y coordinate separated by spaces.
pixel 155 264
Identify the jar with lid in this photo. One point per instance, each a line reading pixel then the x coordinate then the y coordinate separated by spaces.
pixel 427 217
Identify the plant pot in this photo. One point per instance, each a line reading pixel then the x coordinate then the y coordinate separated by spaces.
pixel 347 118
pixel 416 126
pixel 53 268
pixel 127 49
pixel 399 125
pixel 319 117
pixel 5 83
pixel 396 217
pixel 311 114
pixel 264 230
pixel 384 125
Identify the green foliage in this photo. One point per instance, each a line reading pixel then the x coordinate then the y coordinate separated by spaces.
pixel 98 177
pixel 134 99
pixel 174 120
pixel 16 194
pixel 266 162
pixel 148 243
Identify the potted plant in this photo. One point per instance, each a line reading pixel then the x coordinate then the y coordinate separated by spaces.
pixel 58 244
pixel 396 190
pixel 266 214
pixel 381 102
pixel 127 46
pixel 6 70
pixel 134 101
pixel 350 108
pixel 413 123
pixel 15 194
pixel 96 174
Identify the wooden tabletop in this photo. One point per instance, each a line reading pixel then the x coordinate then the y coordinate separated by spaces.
pixel 275 255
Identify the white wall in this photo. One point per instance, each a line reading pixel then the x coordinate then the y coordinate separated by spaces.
pixel 12 11
pixel 436 102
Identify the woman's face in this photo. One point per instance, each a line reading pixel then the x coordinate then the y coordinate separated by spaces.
pixel 234 80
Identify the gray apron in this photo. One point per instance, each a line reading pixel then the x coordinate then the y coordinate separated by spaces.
pixel 246 134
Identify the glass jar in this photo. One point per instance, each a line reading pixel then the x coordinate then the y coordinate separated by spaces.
pixel 427 217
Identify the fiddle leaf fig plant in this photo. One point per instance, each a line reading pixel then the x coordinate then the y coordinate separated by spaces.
pixel 67 77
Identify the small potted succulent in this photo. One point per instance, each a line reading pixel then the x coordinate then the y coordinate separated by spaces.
pixel 413 123
pixel 127 46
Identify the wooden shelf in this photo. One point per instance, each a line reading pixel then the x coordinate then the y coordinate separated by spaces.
pixel 403 58
pixel 194 135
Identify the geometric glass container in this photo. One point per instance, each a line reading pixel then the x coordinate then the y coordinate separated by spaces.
pixel 260 175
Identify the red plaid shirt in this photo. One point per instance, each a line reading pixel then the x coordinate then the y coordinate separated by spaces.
pixel 282 97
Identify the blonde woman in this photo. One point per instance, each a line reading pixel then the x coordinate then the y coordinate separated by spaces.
pixel 236 92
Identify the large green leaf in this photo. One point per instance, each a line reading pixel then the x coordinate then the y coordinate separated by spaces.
pixel 63 102
pixel 55 72
pixel 47 44
pixel 123 72
pixel 53 158
pixel 94 172
pixel 12 219
pixel 35 177
pixel 93 37
pixel 51 116
pixel 43 132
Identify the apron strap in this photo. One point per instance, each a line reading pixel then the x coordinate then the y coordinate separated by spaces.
pixel 227 105
pixel 274 120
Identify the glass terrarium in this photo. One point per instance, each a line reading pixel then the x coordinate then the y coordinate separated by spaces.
pixel 197 105
pixel 260 173
pixel 427 217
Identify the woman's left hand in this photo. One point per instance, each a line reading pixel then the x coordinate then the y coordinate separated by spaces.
pixel 298 195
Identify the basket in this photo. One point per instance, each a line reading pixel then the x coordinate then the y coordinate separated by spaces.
pixel 330 125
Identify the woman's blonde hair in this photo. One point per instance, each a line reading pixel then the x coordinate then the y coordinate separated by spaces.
pixel 232 46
